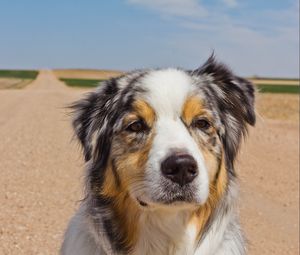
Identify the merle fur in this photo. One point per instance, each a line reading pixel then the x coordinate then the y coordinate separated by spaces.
pixel 108 104
pixel 238 104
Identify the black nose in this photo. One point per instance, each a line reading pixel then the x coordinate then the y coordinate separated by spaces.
pixel 180 168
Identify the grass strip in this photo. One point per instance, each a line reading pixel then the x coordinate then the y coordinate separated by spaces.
pixel 263 88
pixel 81 82
pixel 21 74
pixel 286 89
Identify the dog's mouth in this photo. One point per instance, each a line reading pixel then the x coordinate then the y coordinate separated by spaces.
pixel 168 202
pixel 177 199
pixel 173 195
pixel 170 196
pixel 142 203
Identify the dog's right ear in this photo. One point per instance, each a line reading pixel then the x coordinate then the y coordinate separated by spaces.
pixel 82 123
pixel 91 115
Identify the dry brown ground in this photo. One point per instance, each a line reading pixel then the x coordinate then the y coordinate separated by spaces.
pixel 13 83
pixel 86 74
pixel 41 172
pixel 275 82
pixel 278 106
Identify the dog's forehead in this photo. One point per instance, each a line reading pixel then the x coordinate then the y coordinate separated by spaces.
pixel 166 90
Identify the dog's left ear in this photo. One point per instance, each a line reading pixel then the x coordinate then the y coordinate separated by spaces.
pixel 233 97
pixel 238 92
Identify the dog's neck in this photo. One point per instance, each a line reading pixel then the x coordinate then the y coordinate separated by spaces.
pixel 136 230
pixel 166 232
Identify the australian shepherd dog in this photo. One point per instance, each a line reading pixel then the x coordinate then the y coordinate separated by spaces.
pixel 160 147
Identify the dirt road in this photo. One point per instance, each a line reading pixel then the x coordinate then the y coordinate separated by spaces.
pixel 41 174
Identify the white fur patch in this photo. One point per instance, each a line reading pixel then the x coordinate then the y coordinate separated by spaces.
pixel 166 92
pixel 165 233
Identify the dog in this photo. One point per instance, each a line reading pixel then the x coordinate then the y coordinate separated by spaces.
pixel 160 147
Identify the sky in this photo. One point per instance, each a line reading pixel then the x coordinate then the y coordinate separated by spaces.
pixel 254 37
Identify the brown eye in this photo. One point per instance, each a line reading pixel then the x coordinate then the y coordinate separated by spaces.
pixel 201 124
pixel 136 126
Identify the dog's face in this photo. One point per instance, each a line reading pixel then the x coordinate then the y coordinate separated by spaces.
pixel 162 137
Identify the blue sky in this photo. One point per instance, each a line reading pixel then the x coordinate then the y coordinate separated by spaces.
pixel 254 37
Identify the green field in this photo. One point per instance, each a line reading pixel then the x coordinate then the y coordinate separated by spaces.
pixel 288 89
pixel 32 74
pixel 263 88
pixel 81 82
pixel 21 74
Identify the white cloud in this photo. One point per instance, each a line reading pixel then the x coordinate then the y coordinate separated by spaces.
pixel 256 42
pixel 180 8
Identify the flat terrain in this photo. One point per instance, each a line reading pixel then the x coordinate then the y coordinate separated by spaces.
pixel 294 82
pixel 86 74
pixel 16 79
pixel 13 83
pixel 41 171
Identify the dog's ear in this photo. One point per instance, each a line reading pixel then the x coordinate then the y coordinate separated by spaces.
pixel 238 92
pixel 83 111
pixel 91 116
pixel 233 98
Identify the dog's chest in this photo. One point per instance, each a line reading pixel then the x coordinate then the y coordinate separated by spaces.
pixel 166 237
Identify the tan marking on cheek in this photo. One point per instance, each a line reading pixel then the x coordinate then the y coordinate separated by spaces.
pixel 130 168
pixel 193 107
pixel 109 187
pixel 125 208
pixel 145 111
pixel 210 156
pixel 222 181
pixel 127 213
pixel 211 163
pixel 217 189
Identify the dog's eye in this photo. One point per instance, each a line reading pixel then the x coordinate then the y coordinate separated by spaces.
pixel 136 126
pixel 202 124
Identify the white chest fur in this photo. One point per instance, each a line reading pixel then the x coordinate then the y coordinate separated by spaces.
pixel 172 234
pixel 163 233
